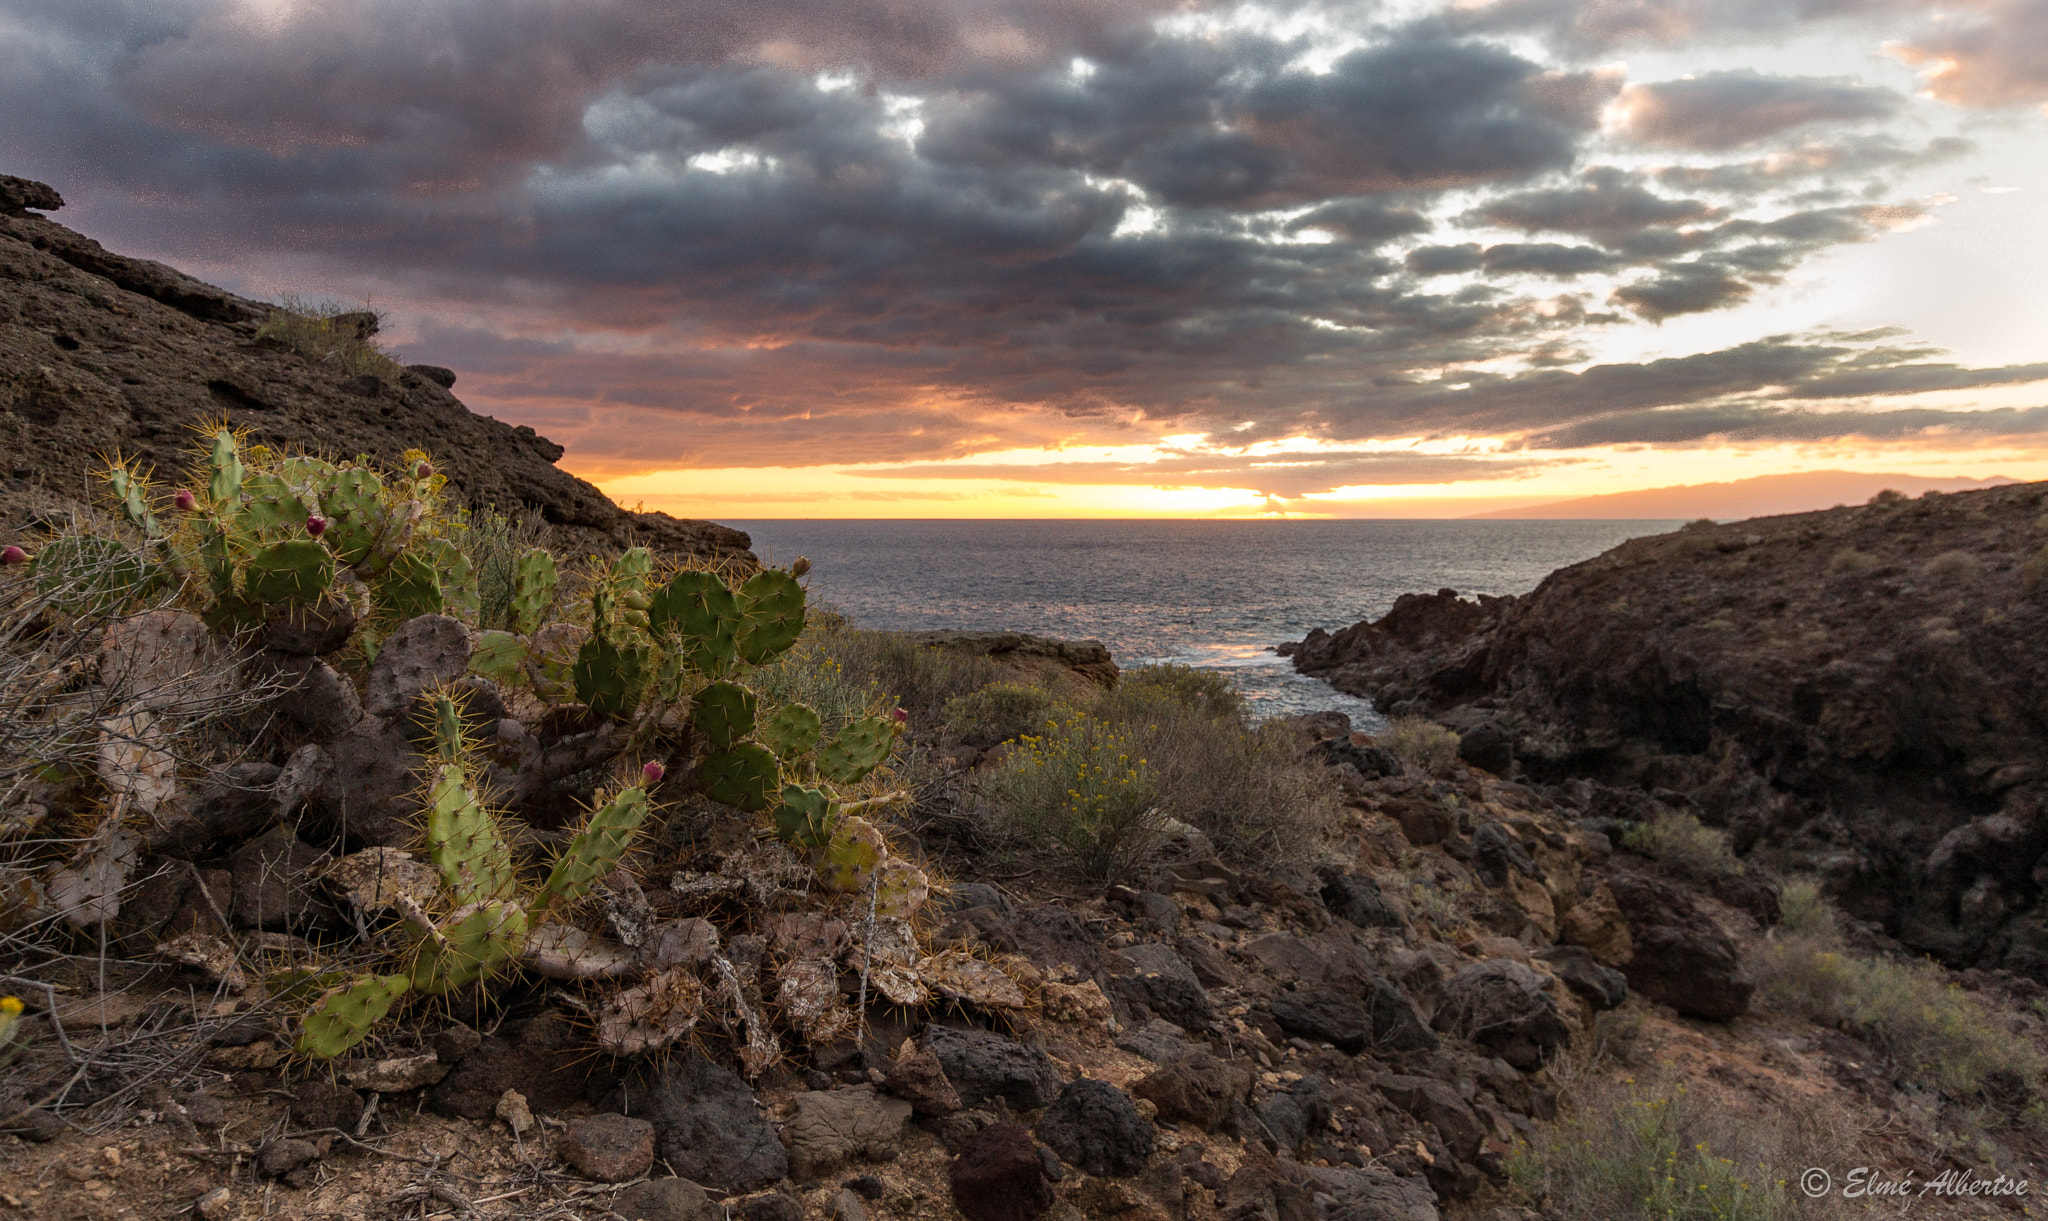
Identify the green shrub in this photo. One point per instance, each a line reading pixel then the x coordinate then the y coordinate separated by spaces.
pixel 1804 912
pixel 1683 844
pixel 1144 689
pixel 1002 711
pixel 1628 1152
pixel 2035 571
pixel 1424 743
pixel 920 677
pixel 1934 1030
pixel 1080 788
pixel 330 335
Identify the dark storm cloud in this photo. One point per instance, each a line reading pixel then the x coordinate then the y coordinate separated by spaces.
pixel 992 224
pixel 1725 109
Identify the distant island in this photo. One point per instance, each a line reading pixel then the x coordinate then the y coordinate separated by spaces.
pixel 1764 496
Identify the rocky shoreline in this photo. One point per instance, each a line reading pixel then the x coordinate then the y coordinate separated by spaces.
pixel 1855 693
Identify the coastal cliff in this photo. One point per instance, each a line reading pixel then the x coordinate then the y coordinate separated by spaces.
pixel 103 354
pixel 1856 693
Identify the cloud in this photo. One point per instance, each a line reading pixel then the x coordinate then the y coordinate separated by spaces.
pixel 1995 57
pixel 1722 110
pixel 875 231
pixel 1755 423
pixel 1286 476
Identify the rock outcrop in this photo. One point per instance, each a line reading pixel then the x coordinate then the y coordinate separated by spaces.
pixel 1859 690
pixel 101 353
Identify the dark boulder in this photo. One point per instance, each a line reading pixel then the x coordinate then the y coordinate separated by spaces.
pixel 1094 1127
pixel 1682 958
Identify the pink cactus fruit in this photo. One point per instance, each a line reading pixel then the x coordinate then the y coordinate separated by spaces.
pixel 652 771
pixel 185 500
pixel 13 555
pixel 316 525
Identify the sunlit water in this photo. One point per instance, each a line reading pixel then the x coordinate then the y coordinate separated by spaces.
pixel 1208 593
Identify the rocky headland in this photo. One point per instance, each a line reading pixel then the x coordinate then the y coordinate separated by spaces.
pixel 104 354
pixel 1860 694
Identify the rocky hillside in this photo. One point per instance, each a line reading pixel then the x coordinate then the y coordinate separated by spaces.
pixel 104 354
pixel 1861 693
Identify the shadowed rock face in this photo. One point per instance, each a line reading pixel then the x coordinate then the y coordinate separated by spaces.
pixel 101 353
pixel 1863 689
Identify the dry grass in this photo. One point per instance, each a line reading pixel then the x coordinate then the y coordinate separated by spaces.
pixel 1849 562
pixel 329 334
pixel 1681 843
pixel 1953 567
pixel 1424 743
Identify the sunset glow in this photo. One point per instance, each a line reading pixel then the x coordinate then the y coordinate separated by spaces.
pixel 1114 259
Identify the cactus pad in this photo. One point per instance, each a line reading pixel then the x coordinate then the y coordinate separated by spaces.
pixel 224 466
pixel 533 590
pixel 132 493
pixel 596 849
pixel 463 840
pixel 724 714
pixel 295 571
pixel 456 577
pixel 804 817
pixel 340 1019
pixel 853 854
pixel 698 607
pixel 772 607
pixel 476 941
pixel 791 732
pixel 900 889
pixel 409 587
pixel 499 656
pixel 270 508
pixel 743 776
pixel 858 749
pixel 354 503
pixel 609 677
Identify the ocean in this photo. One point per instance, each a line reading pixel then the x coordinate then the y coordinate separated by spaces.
pixel 1216 594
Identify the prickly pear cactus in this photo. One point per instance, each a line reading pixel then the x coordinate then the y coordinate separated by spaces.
pixel 804 816
pixel 297 572
pixel 698 609
pixel 771 607
pixel 596 849
pixel 724 714
pixel 744 776
pixel 791 732
pixel 340 1019
pixel 858 749
pixel 533 590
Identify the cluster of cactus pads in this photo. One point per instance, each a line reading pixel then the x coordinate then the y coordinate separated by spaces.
pixel 483 916
pixel 662 657
pixel 259 532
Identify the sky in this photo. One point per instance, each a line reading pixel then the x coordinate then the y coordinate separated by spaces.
pixel 1043 258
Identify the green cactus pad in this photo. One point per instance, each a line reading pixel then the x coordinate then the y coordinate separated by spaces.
pixel 132 493
pixel 295 571
pixel 533 590
pixel 596 849
pixel 270 508
pixel 853 854
pixel 224 462
pixel 698 608
pixel 340 1019
pixel 632 568
pixel 791 732
pixel 409 587
pixel 858 749
pixel 804 817
pixel 743 776
pixel 354 503
pixel 724 714
pixel 476 941
pixel 460 596
pixel 772 609
pixel 609 678
pixel 463 840
pixel 499 656
pixel 900 889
